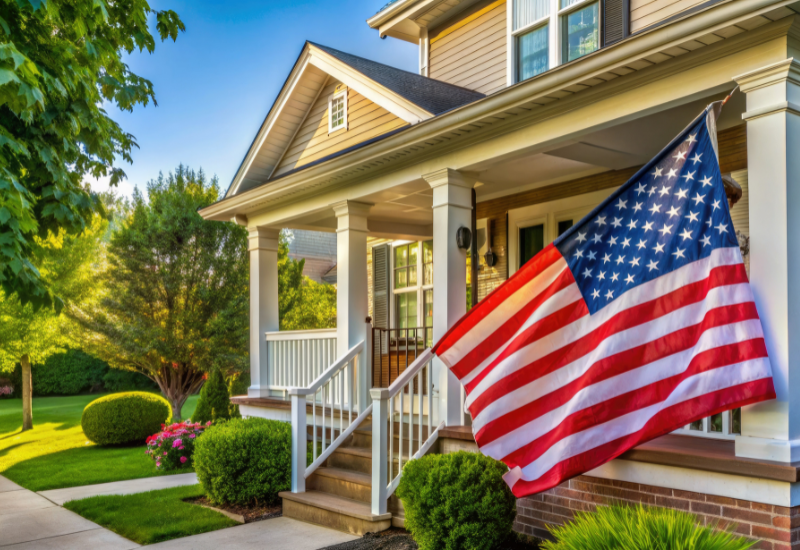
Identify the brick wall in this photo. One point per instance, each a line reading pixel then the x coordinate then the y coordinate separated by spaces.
pixel 776 527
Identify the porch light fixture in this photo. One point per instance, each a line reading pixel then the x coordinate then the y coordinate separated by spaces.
pixel 490 257
pixel 463 238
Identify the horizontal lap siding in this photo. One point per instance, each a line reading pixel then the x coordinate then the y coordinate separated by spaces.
pixel 471 51
pixel 366 120
pixel 647 12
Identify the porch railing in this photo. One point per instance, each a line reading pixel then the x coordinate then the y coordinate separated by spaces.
pixel 296 358
pixel 402 426
pixel 394 349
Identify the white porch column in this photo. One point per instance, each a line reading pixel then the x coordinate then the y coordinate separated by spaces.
pixel 452 208
pixel 771 430
pixel 352 305
pixel 263 247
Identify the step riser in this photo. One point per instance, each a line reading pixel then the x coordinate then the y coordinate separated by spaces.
pixel 357 463
pixel 334 520
pixel 364 441
pixel 340 487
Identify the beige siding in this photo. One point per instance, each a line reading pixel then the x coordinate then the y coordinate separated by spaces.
pixel 740 213
pixel 471 51
pixel 365 120
pixel 646 12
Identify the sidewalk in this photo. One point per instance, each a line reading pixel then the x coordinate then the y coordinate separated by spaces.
pixel 142 485
pixel 29 521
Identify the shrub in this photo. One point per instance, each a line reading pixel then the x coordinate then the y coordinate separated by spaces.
pixel 124 417
pixel 214 403
pixel 641 528
pixel 172 448
pixel 116 380
pixel 68 373
pixel 245 461
pixel 457 501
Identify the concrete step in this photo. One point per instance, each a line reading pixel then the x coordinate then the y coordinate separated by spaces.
pixel 343 483
pixel 362 437
pixel 343 514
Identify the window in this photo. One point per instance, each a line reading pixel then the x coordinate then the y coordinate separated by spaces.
pixel 546 33
pixel 412 285
pixel 563 225
pixel 405 266
pixel 427 312
pixel 337 110
pixel 531 242
pixel 406 308
pixel 427 263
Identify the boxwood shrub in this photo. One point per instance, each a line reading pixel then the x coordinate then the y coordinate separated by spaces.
pixel 245 461
pixel 457 501
pixel 124 417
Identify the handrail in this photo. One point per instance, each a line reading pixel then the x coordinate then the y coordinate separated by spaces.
pixel 422 360
pixel 338 441
pixel 329 372
pixel 287 335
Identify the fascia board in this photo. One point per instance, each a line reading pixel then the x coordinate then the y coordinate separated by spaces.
pixel 269 122
pixel 643 44
pixel 392 102
pixel 376 20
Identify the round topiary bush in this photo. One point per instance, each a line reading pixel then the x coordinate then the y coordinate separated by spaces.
pixel 124 417
pixel 245 461
pixel 457 501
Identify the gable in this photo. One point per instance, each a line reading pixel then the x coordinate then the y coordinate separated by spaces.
pixel 365 120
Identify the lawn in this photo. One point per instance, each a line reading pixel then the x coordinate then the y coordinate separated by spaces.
pixel 56 453
pixel 152 517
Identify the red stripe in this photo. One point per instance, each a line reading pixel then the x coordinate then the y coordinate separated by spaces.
pixel 615 365
pixel 544 259
pixel 665 421
pixel 631 317
pixel 636 399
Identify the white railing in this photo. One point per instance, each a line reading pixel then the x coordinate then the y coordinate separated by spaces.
pixel 338 405
pixel 404 409
pixel 295 358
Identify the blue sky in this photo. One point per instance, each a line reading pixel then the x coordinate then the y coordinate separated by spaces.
pixel 215 85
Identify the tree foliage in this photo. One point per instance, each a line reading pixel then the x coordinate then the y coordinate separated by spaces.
pixel 60 60
pixel 175 303
pixel 304 304
pixel 214 403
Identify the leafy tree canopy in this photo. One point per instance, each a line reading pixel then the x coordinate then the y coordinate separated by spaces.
pixel 60 60
pixel 303 304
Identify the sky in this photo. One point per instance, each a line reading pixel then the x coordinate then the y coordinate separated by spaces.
pixel 216 84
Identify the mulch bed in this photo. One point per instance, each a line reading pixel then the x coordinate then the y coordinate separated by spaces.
pixel 399 539
pixel 249 513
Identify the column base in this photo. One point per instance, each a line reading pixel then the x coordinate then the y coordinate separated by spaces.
pixel 258 391
pixel 762 448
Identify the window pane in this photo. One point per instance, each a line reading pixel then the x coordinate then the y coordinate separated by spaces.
pixel 412 275
pixel 411 310
pixel 581 32
pixel 531 241
pixel 401 256
pixel 412 264
pixel 428 320
pixel 413 250
pixel 401 278
pixel 427 252
pixel 402 307
pixel 568 3
pixel 736 421
pixel 715 423
pixel 532 53
pixel 696 426
pixel 528 11
pixel 563 225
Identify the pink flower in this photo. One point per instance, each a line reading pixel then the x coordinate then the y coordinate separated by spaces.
pixel 192 436
pixel 165 453
pixel 183 459
pixel 177 443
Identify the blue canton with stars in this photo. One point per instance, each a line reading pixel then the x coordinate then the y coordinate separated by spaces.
pixel 671 213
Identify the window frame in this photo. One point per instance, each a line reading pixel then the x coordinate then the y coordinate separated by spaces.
pixel 555 45
pixel 341 94
pixel 419 288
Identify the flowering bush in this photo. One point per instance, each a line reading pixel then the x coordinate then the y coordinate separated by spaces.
pixel 173 446
pixel 6 391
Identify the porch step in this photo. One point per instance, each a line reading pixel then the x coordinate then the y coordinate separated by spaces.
pixel 345 483
pixel 336 512
pixel 359 459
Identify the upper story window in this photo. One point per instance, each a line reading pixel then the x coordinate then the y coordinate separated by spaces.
pixel 337 110
pixel 546 33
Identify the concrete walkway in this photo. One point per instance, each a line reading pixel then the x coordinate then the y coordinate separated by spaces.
pixel 60 496
pixel 29 521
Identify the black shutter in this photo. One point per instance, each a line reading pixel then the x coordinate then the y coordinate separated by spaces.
pixel 616 20
pixel 380 286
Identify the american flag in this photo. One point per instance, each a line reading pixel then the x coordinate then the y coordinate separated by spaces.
pixel 635 322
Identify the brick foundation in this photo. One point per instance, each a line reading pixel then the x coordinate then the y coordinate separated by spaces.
pixel 776 527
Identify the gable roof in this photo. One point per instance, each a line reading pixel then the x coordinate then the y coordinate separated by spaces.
pixel 411 97
pixel 434 96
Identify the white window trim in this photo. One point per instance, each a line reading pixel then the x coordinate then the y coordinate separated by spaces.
pixel 337 95
pixel 706 431
pixel 419 288
pixel 554 46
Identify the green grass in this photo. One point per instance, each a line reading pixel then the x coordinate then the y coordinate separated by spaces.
pixel 56 453
pixel 152 517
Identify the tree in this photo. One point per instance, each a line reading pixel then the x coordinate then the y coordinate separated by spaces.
pixel 214 403
pixel 176 290
pixel 60 60
pixel 303 304
pixel 68 264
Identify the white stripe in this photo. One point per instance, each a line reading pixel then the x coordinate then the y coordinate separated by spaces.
pixel 695 386
pixel 503 312
pixel 627 339
pixel 623 383
pixel 690 273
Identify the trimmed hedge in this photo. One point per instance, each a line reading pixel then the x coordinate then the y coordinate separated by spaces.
pixel 245 461
pixel 124 417
pixel 457 501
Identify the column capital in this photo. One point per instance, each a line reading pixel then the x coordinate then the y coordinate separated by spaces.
pixel 771 89
pixel 448 176
pixel 450 188
pixel 351 208
pixel 776 73
pixel 262 238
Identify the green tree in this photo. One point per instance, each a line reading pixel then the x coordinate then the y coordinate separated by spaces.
pixel 60 61
pixel 303 304
pixel 69 264
pixel 214 403
pixel 175 304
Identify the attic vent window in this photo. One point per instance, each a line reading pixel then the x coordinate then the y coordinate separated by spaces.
pixel 337 110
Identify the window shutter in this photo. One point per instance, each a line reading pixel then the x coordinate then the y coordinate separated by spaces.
pixel 616 20
pixel 380 286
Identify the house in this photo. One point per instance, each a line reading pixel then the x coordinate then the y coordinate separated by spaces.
pixel 318 249
pixel 525 114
